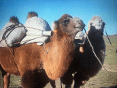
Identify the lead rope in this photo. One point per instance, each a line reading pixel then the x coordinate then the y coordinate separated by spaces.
pixel 107 36
pixel 45 49
pixel 95 53
pixel 11 52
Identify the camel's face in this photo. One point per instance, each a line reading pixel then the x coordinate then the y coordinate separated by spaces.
pixel 97 23
pixel 79 23
pixel 69 25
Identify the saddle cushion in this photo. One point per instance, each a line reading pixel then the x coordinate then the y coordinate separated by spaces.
pixel 12 37
pixel 38 31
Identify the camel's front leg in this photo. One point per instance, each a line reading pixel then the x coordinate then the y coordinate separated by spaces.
pixel 67 79
pixel 79 80
pixel 6 79
pixel 52 82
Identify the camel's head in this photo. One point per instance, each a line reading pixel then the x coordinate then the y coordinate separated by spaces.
pixel 32 14
pixel 68 25
pixel 96 23
pixel 14 19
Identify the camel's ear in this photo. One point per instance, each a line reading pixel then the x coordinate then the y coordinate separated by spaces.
pixel 103 24
pixel 55 26
pixel 89 24
pixel 89 28
pixel 103 28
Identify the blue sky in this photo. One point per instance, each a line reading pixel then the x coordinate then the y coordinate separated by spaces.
pixel 51 10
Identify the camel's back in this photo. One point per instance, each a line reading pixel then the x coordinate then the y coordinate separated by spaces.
pixel 27 50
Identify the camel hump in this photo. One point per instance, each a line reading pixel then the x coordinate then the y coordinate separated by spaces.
pixel 36 23
pixel 14 19
pixel 38 30
pixel 32 14
pixel 12 33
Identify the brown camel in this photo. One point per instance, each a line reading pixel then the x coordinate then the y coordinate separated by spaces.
pixel 32 62
pixel 85 64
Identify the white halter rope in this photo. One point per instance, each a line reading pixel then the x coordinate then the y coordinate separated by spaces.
pixel 46 50
pixel 95 54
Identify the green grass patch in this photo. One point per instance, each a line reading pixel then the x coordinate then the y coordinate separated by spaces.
pixel 102 79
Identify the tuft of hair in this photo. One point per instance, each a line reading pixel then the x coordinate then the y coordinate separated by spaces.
pixel 63 17
pixel 54 25
pixel 95 18
pixel 14 19
pixel 32 14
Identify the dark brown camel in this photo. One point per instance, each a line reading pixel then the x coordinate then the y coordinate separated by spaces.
pixel 85 64
pixel 30 60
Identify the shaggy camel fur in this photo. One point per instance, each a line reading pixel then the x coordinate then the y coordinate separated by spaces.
pixel 32 14
pixel 30 60
pixel 85 64
pixel 14 19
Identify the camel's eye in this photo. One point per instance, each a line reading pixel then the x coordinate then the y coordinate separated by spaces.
pixel 91 24
pixel 100 20
pixel 66 21
pixel 78 22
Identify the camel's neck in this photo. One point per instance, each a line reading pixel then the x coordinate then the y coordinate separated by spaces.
pixel 60 37
pixel 95 34
pixel 96 39
pixel 59 57
pixel 62 43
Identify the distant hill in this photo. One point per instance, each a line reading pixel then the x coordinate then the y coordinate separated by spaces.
pixel 111 35
pixel 115 35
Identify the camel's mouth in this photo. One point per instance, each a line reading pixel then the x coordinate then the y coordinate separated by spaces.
pixel 98 24
pixel 79 28
pixel 76 27
pixel 98 27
